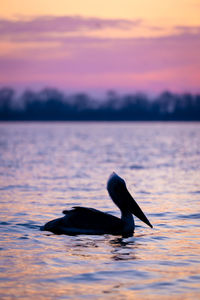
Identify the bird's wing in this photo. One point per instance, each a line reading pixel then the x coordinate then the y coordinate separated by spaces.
pixel 90 218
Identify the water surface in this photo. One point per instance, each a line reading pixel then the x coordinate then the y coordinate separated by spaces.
pixel 48 167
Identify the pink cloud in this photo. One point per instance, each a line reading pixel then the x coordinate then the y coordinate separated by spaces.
pixel 117 55
pixel 171 62
pixel 60 24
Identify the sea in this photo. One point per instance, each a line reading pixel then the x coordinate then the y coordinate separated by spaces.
pixel 46 168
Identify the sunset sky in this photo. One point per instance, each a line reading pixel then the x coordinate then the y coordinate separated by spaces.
pixel 94 46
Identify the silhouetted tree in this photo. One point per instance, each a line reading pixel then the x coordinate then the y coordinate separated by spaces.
pixel 6 103
pixel 51 104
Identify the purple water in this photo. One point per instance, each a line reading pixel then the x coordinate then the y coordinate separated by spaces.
pixel 48 167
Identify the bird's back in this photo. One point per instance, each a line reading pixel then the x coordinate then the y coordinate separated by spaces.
pixel 92 219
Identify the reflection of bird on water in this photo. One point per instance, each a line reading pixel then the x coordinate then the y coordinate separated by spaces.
pixel 84 220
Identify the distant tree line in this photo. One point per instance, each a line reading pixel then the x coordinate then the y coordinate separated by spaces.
pixel 52 105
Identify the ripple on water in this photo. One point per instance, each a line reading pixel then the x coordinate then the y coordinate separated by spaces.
pixel 189 216
pixel 46 168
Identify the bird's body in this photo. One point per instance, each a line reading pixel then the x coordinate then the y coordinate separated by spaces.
pixel 84 220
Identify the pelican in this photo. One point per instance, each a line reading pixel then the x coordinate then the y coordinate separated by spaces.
pixel 85 220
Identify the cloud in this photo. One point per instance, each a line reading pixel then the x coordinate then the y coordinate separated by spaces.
pixel 187 30
pixel 49 56
pixel 84 55
pixel 63 29
pixel 61 24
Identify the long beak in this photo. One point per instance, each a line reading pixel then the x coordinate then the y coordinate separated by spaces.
pixel 130 204
pixel 122 198
pixel 135 209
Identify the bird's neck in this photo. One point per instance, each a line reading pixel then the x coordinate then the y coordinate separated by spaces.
pixel 128 220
